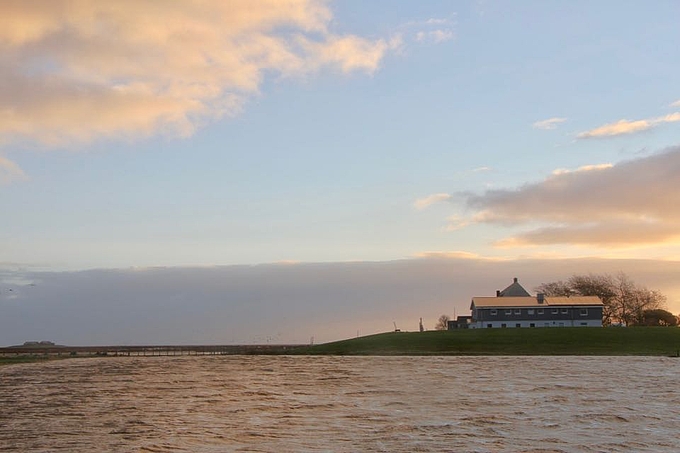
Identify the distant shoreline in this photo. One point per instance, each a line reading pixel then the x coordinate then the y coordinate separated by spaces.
pixel 579 341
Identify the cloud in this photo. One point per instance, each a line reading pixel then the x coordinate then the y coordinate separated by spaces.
pixel 455 254
pixel 437 21
pixel 550 123
pixel 77 71
pixel 595 167
pixel 676 103
pixel 423 203
pixel 433 30
pixel 623 127
pixel 435 36
pixel 632 203
pixel 10 172
pixel 455 223
pixel 249 304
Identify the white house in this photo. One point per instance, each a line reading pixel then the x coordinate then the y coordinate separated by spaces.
pixel 515 307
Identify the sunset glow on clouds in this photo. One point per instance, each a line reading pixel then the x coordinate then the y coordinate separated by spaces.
pixel 633 202
pixel 422 203
pixel 623 127
pixel 75 71
pixel 382 154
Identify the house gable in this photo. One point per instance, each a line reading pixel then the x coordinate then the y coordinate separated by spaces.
pixel 514 290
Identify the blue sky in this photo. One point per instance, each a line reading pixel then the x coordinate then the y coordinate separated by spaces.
pixel 142 134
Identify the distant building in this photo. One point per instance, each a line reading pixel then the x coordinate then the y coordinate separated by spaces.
pixel 461 322
pixel 515 307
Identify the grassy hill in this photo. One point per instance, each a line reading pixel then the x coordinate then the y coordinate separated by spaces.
pixel 558 341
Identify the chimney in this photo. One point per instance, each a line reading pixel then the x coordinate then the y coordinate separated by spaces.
pixel 515 279
pixel 540 297
pixel 498 293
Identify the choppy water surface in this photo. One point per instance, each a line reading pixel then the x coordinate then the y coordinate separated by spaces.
pixel 393 404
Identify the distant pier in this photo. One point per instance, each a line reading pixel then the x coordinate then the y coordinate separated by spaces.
pixel 147 351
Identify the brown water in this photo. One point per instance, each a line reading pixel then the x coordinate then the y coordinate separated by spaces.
pixel 343 404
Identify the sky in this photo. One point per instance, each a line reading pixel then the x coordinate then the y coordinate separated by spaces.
pixel 277 170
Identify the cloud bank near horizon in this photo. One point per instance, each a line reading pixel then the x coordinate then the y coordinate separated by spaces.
pixel 281 303
pixel 76 71
pixel 631 203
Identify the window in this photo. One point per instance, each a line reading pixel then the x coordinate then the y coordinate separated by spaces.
pixel 532 325
pixel 530 311
pixel 584 312
pixel 565 311
pixel 518 311
pixel 494 312
pixel 504 325
pixel 488 326
pixel 584 323
pixel 508 312
pixel 555 311
pixel 518 325
pixel 539 311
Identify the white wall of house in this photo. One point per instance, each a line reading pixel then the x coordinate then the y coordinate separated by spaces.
pixel 525 323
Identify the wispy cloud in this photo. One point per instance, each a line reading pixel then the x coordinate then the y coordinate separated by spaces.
pixel 624 127
pixel 433 30
pixel 10 171
pixel 423 203
pixel 76 71
pixel 595 167
pixel 676 103
pixel 455 223
pixel 550 123
pixel 435 36
pixel 435 21
pixel 631 203
pixel 454 254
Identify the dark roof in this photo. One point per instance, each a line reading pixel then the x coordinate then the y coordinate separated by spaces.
pixel 514 290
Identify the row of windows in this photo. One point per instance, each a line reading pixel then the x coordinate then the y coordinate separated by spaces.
pixel 530 311
pixel 547 324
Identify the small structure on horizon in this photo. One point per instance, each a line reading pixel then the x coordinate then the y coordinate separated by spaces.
pixel 515 307
pixel 461 322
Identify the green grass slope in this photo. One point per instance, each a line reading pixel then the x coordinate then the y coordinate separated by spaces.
pixel 558 341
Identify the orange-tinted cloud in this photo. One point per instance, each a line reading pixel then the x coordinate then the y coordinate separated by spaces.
pixel 424 202
pixel 631 203
pixel 75 71
pixel 623 127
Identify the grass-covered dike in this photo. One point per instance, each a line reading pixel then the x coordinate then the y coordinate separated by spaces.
pixel 651 341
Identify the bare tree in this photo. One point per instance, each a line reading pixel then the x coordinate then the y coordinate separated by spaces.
pixel 623 300
pixel 558 288
pixel 442 323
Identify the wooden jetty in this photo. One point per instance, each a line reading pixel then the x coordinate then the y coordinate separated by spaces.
pixel 165 350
